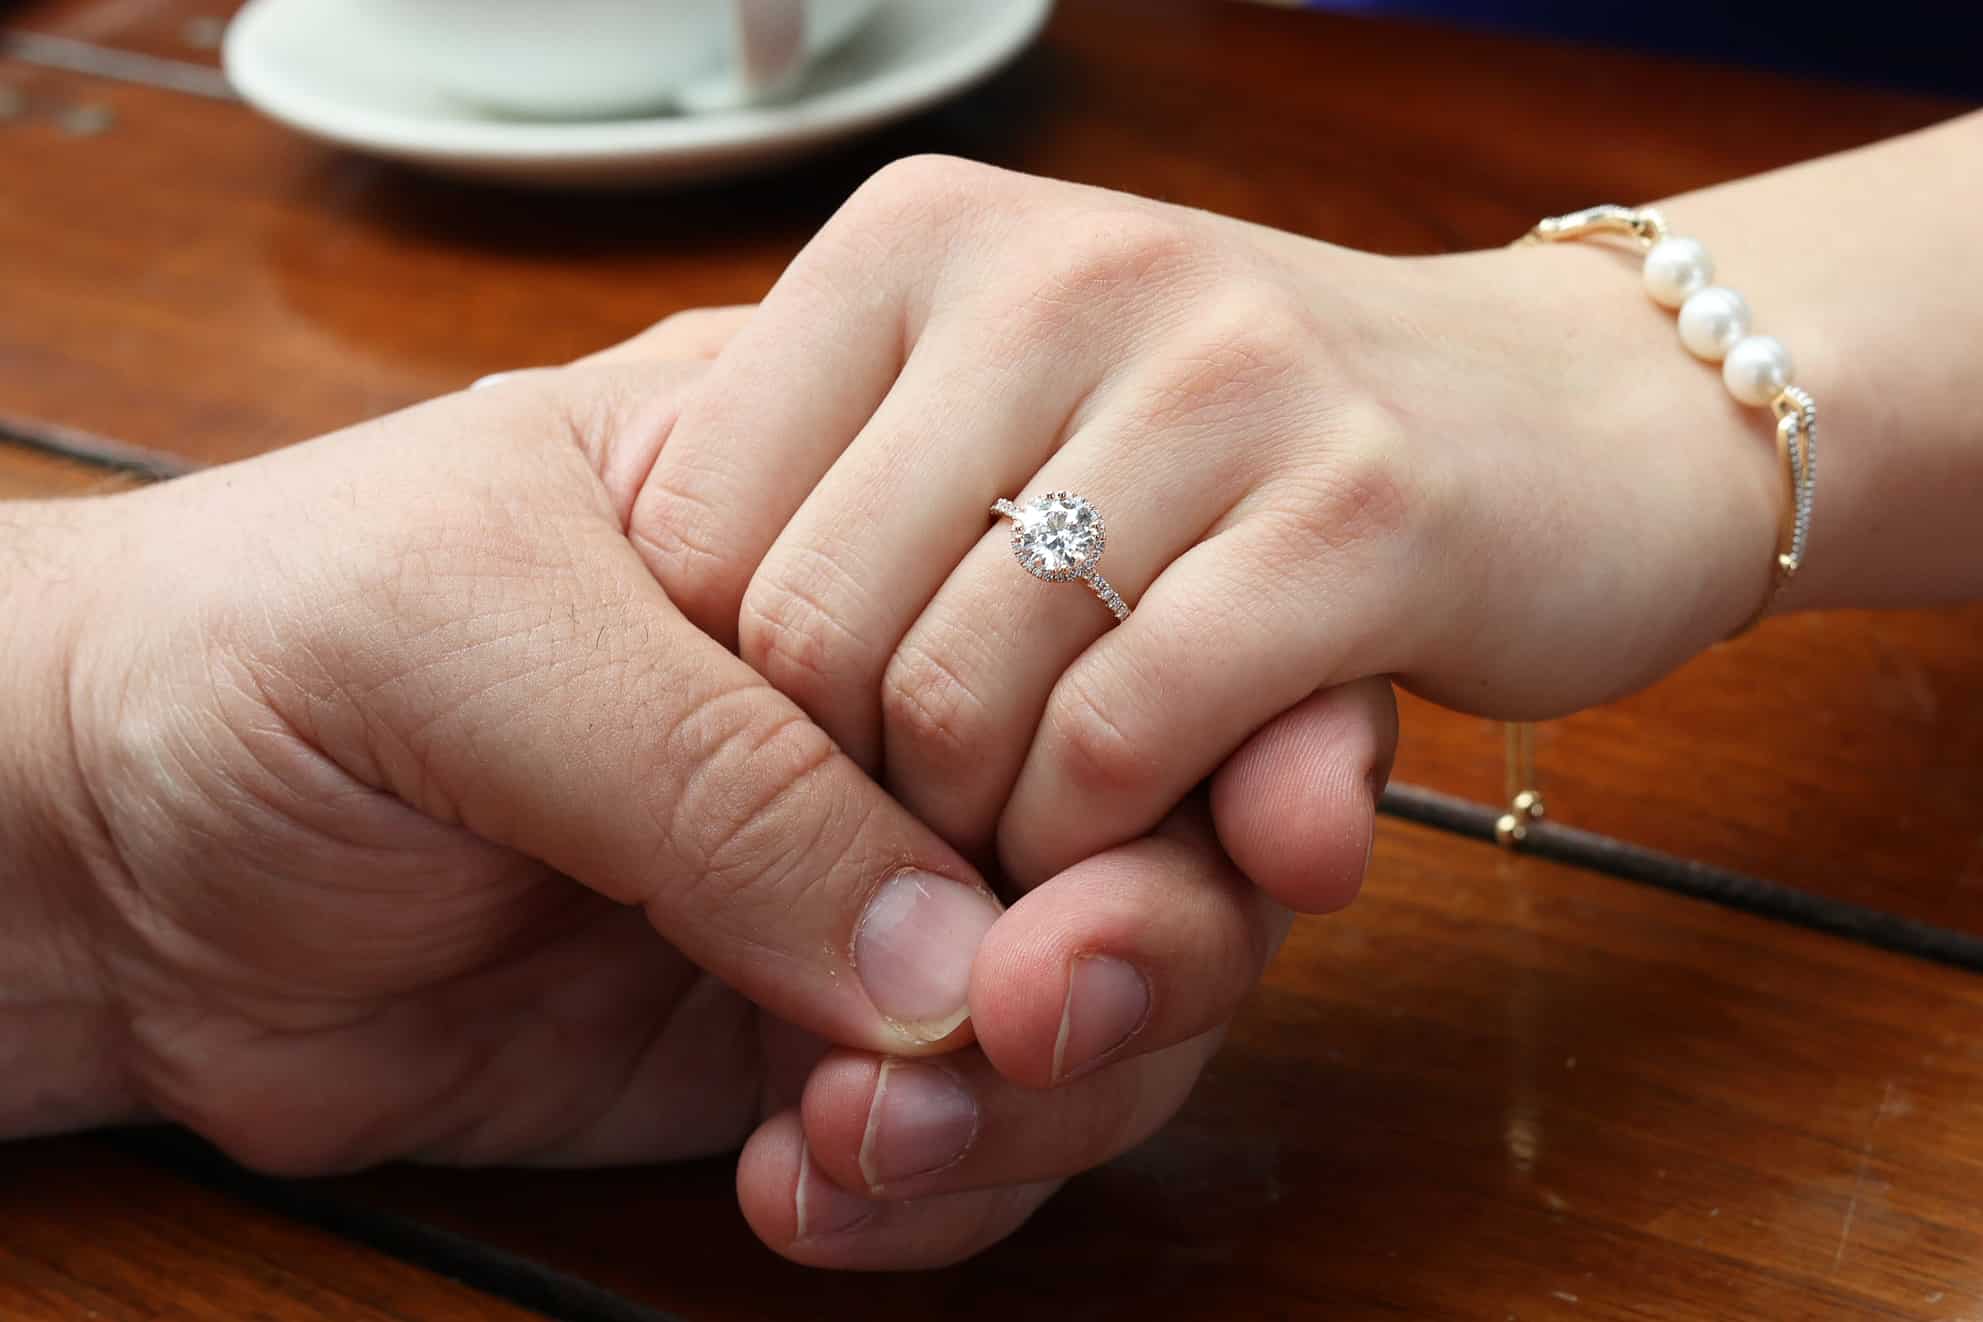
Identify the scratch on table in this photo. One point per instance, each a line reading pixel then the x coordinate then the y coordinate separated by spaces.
pixel 1859 1177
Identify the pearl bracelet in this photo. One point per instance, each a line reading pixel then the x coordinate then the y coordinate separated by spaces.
pixel 1714 327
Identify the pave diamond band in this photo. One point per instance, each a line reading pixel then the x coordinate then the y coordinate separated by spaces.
pixel 1059 537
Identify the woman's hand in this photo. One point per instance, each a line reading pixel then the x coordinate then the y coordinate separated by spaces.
pixel 1495 476
pixel 369 800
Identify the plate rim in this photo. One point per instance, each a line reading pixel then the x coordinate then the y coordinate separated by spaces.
pixel 1008 29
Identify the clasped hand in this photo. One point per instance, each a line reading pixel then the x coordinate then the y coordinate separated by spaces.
pixel 659 754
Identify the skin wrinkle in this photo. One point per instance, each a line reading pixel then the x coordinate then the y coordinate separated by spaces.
pixel 369 770
pixel 181 746
pixel 272 706
pixel 907 705
pixel 97 853
pixel 794 857
pixel 186 942
pixel 623 507
pixel 1238 356
pixel 808 659
pixel 584 1144
pixel 502 1046
pixel 292 811
pixel 597 424
pixel 378 1012
pixel 659 547
pixel 527 644
pixel 109 866
pixel 1093 746
pixel 741 821
pixel 1094 278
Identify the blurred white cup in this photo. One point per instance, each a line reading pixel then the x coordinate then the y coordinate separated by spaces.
pixel 573 59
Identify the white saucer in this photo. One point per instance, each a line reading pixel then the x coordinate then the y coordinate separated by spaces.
pixel 307 64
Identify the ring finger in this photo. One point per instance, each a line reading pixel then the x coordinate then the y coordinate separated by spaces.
pixel 873 541
pixel 970 680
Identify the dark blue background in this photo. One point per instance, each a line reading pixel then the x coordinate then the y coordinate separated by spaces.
pixel 1905 43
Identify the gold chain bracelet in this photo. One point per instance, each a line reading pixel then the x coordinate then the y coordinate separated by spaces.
pixel 1714 326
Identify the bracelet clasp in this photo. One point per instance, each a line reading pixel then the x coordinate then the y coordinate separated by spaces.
pixel 1642 223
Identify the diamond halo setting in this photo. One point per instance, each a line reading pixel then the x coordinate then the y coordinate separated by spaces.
pixel 1059 537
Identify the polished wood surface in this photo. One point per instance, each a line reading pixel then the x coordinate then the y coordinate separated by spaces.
pixel 1497 1087
pixel 29 475
pixel 1839 753
pixel 87 1232
pixel 1494 1087
pixel 207 284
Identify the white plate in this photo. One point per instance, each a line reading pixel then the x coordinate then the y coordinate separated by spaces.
pixel 307 64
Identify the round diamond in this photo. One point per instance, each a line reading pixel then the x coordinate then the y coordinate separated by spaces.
pixel 1058 536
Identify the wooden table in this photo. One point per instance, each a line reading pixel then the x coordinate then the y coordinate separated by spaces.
pixel 1500 1087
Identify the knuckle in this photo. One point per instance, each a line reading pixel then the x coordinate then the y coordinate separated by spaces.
pixel 1242 352
pixel 791 629
pixel 1122 247
pixel 1362 490
pixel 752 800
pixel 927 706
pixel 679 533
pixel 1101 749
pixel 929 189
pixel 1104 257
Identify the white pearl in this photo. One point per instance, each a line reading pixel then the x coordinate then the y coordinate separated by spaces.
pixel 1712 320
pixel 1675 268
pixel 1757 369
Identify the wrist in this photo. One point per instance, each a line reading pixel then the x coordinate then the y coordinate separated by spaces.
pixel 1861 264
pixel 60 1028
pixel 1616 511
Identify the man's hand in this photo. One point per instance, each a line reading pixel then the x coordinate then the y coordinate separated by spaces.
pixel 389 759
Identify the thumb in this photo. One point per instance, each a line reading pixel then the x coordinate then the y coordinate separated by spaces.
pixel 483 642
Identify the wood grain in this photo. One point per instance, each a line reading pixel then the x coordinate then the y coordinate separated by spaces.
pixel 86 1232
pixel 1494 1087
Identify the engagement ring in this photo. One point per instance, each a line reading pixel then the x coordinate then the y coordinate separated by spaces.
pixel 1058 537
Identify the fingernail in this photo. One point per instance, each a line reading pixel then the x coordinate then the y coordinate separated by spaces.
pixel 921 1120
pixel 823 1207
pixel 914 947
pixel 493 379
pixel 1107 1001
